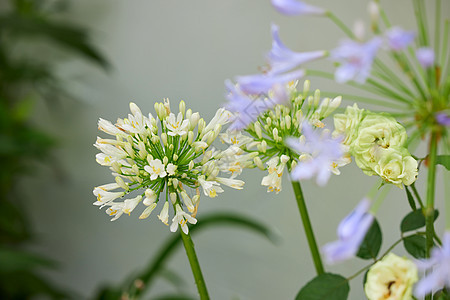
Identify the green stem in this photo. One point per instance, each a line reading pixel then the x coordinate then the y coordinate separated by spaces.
pixel 429 209
pixel 340 24
pixel 308 228
pixel 195 266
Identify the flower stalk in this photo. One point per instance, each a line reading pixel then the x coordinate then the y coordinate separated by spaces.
pixel 429 210
pixel 308 227
pixel 195 265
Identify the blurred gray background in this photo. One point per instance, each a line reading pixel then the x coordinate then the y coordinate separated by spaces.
pixel 185 50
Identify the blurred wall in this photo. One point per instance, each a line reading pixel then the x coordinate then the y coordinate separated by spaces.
pixel 185 50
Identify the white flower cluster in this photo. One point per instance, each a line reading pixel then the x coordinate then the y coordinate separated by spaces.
pixel 170 153
pixel 269 134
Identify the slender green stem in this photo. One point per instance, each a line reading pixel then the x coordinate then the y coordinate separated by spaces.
pixel 413 187
pixel 429 210
pixel 340 24
pixel 195 266
pixel 308 228
pixel 437 27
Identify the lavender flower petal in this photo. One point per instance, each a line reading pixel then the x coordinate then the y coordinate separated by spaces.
pixel 439 263
pixel 398 39
pixel 425 56
pixel 262 83
pixel 351 232
pixel 282 59
pixel 245 109
pixel 295 8
pixel 443 118
pixel 323 150
pixel 356 59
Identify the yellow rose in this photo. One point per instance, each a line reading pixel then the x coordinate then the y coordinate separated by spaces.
pixel 392 278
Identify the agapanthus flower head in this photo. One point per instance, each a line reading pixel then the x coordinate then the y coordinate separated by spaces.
pixel 392 277
pixel 439 269
pixel 295 8
pixel 398 38
pixel 355 59
pixel 172 156
pixel 282 59
pixel 425 56
pixel 320 154
pixel 351 232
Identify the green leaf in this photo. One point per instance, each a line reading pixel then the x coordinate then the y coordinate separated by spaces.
pixel 372 242
pixel 415 245
pixel 69 36
pixel 326 286
pixel 415 220
pixel 443 160
pixel 410 198
pixel 167 249
pixel 13 260
pixel 441 295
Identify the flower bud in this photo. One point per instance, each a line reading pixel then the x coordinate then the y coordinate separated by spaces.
pixel 135 109
pixel 201 125
pixel 193 120
pixel 182 107
pixel 164 138
pixel 122 183
pixel 173 197
pixel 188 114
pixel 306 87
pixel 129 150
pixel 287 120
pixel 258 129
pixel 257 161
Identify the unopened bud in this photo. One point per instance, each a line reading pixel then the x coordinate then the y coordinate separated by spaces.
pixel 258 163
pixel 182 107
pixel 258 129
pixel 122 183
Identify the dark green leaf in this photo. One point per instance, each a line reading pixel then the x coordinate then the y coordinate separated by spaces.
pixel 372 242
pixel 415 245
pixel 13 260
pixel 443 160
pixel 441 295
pixel 160 258
pixel 69 36
pixel 415 220
pixel 410 198
pixel 325 287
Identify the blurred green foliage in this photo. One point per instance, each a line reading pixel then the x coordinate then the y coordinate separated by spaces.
pixel 27 76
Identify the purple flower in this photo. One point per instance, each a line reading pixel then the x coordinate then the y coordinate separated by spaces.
pixel 439 262
pixel 351 232
pixel 425 56
pixel 356 59
pixel 398 39
pixel 294 8
pixel 282 59
pixel 443 118
pixel 262 83
pixel 320 152
pixel 245 109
